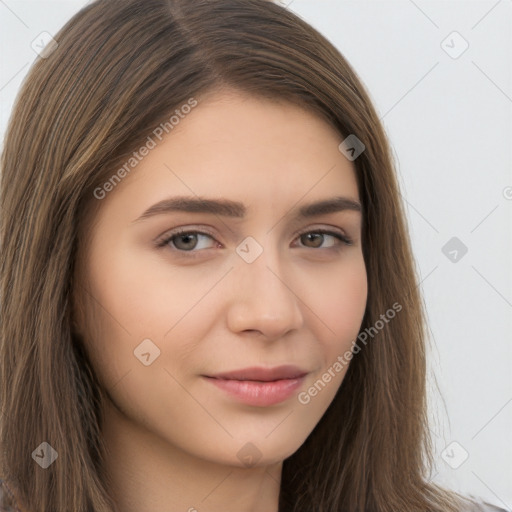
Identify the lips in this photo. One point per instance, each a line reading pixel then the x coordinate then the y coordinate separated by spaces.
pixel 263 374
pixel 260 386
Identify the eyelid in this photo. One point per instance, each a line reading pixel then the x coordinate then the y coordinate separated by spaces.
pixel 168 235
pixel 324 228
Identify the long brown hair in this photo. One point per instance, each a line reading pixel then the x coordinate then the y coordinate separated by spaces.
pixel 120 69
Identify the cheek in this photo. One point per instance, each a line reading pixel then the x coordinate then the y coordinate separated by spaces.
pixel 131 299
pixel 348 307
pixel 146 296
pixel 340 304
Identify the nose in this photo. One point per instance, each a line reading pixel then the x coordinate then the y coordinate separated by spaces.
pixel 263 298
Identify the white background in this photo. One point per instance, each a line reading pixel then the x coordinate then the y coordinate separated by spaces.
pixel 450 124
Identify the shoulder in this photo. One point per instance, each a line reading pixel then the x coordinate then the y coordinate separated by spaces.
pixel 483 506
pixel 7 500
pixel 487 507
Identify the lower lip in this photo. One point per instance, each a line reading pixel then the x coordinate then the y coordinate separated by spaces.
pixel 259 393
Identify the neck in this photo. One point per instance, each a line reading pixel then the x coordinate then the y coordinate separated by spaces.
pixel 147 472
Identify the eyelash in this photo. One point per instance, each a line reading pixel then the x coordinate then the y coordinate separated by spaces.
pixel 183 231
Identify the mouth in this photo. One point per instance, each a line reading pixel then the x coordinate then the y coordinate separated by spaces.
pixel 260 386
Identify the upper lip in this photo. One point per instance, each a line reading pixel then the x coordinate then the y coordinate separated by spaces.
pixel 263 374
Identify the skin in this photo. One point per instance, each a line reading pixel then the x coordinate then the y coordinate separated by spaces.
pixel 174 439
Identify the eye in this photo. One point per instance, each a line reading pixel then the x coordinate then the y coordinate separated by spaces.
pixel 184 240
pixel 318 237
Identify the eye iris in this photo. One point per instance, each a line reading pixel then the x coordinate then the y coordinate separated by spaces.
pixel 312 237
pixel 185 236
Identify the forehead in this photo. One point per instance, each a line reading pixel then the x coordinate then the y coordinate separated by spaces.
pixel 258 151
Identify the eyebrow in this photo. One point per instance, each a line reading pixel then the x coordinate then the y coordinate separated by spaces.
pixel 235 209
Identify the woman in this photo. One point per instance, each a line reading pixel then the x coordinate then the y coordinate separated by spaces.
pixel 209 300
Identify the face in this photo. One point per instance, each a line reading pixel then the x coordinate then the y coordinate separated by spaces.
pixel 216 326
